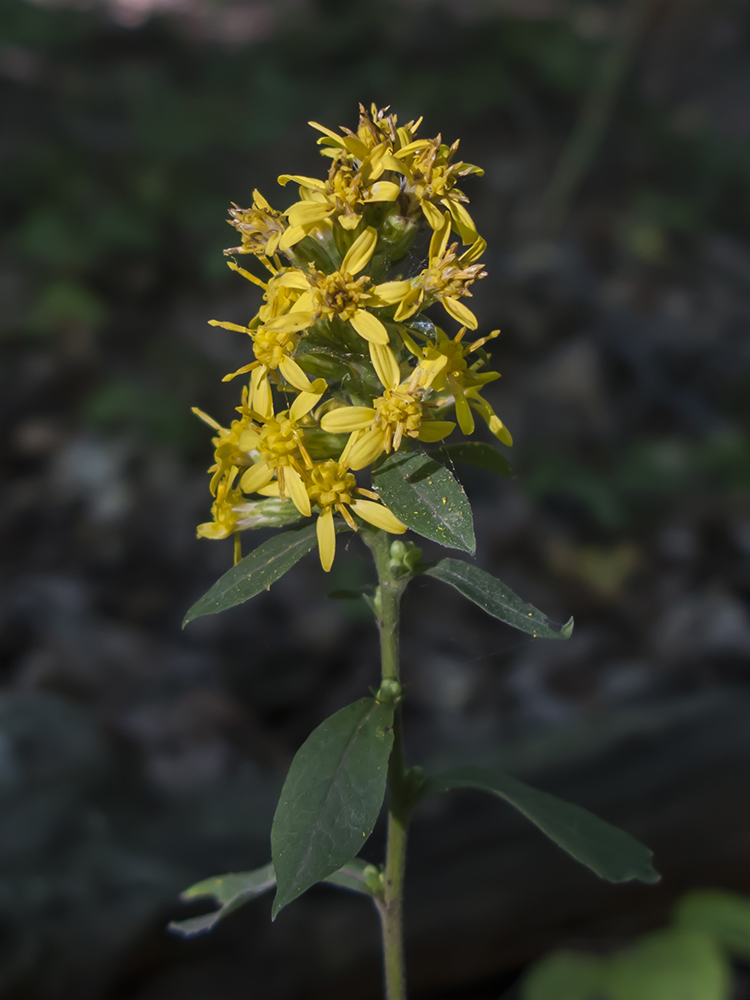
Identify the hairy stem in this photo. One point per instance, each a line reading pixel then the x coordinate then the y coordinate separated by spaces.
pixel 387 607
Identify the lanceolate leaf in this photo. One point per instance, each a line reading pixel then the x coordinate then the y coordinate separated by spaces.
pixel 331 797
pixel 477 453
pixel 257 571
pixel 424 495
pixel 233 890
pixel 496 599
pixel 609 852
pixel 230 891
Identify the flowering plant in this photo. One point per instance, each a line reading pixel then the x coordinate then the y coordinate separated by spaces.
pixel 350 375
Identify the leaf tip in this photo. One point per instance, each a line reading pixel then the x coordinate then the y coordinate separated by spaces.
pixel 567 630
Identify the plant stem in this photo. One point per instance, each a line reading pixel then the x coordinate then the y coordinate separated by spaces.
pixel 388 603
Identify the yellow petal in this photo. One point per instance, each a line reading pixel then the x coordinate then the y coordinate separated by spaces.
pixel 307 182
pixel 378 515
pixel 206 419
pixel 495 424
pixel 212 530
pixel 326 538
pixel 272 490
pixel 366 449
pixel 307 213
pixel 246 274
pixel 391 292
pixel 385 364
pixel 355 146
pixel 359 253
pixel 347 418
pixel 259 201
pixel 369 327
pixel 294 374
pixel 304 403
pixel 463 221
pixel 325 131
pixel 409 342
pixel 260 398
pixel 293 322
pixel 256 477
pixel 291 237
pixel 249 440
pixel 435 430
pixel 410 147
pixel 463 410
pixel 349 222
pixel 241 371
pixel 409 304
pixel 292 279
pixel 498 428
pixel 382 191
pixel 473 254
pixel 304 304
pixel 439 240
pixel 461 313
pixel 228 326
pixel 433 215
pixel 390 162
pixel 295 487
pixel 431 368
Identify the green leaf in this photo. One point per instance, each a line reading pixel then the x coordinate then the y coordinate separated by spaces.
pixel 425 496
pixel 566 975
pixel 670 965
pixel 230 891
pixel 331 797
pixel 256 572
pixel 496 599
pixel 724 916
pixel 477 453
pixel 354 875
pixel 237 888
pixel 611 853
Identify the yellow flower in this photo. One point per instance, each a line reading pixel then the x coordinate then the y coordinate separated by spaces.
pixel 331 488
pixel 342 295
pixel 446 279
pixel 261 227
pixel 398 413
pixel 443 368
pixel 275 333
pixel 342 196
pixel 223 514
pixel 278 442
pixel 430 179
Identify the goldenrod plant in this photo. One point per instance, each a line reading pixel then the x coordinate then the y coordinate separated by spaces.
pixel 349 382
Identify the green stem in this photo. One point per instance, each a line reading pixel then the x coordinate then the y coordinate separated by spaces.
pixel 387 605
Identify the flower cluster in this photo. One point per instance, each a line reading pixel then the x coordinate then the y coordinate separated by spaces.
pixel 345 365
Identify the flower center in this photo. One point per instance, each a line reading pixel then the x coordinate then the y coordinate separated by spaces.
pixel 279 440
pixel 400 410
pixel 330 483
pixel 338 294
pixel 271 346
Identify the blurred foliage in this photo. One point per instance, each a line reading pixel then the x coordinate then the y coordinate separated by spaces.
pixel 688 961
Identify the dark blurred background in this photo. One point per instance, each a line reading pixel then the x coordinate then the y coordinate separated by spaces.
pixel 136 758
